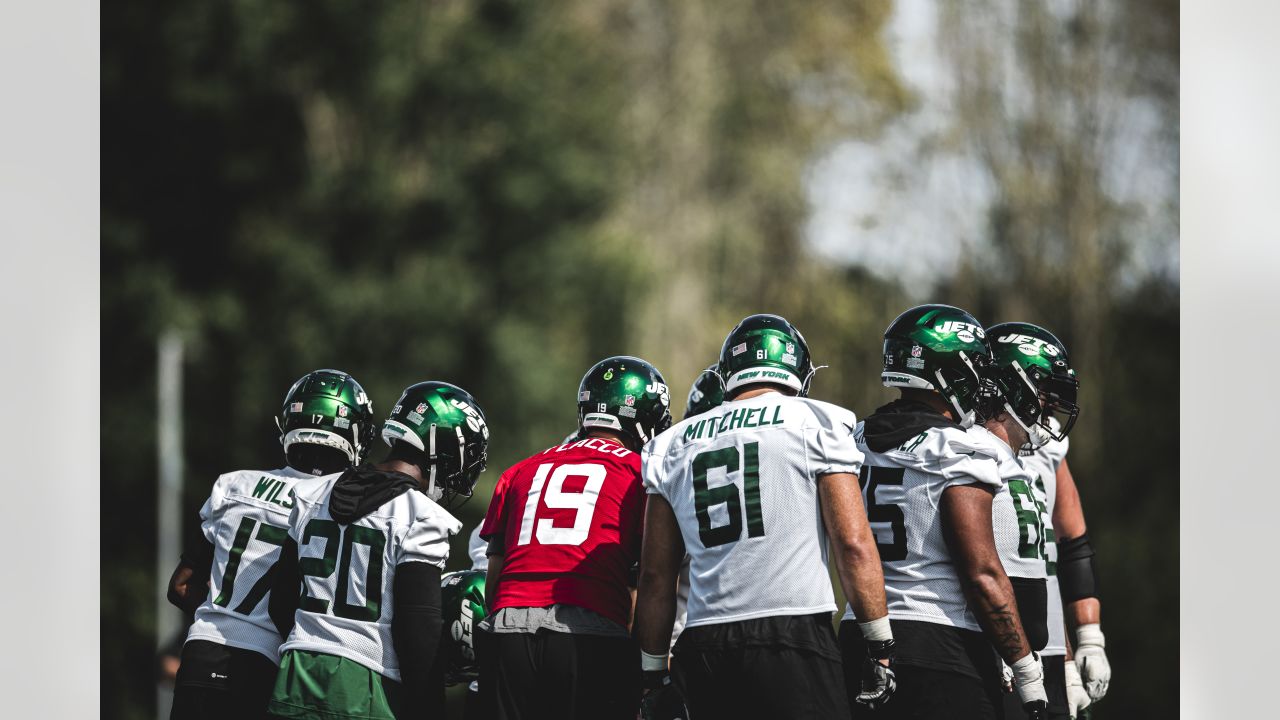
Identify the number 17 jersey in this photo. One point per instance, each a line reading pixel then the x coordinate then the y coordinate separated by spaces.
pixel 742 480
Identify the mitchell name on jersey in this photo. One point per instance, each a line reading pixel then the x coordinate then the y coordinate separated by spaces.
pixel 902 489
pixel 246 518
pixel 348 571
pixel 742 480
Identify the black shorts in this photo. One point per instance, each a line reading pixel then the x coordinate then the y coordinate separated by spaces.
pixel 529 676
pixel 1055 686
pixel 218 682
pixel 961 680
pixel 769 668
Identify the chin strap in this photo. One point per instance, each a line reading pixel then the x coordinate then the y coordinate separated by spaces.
pixel 431 453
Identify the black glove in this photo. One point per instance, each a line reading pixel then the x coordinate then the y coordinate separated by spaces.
pixel 878 681
pixel 1037 710
pixel 661 700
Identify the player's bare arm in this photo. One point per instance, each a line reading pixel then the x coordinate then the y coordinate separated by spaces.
pixel 661 553
pixel 1068 521
pixel 966 526
pixel 853 545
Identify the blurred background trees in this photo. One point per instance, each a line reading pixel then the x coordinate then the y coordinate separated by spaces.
pixel 498 194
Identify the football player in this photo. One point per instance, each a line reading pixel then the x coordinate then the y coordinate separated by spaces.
pixel 752 491
pixel 1046 373
pixel 462 598
pixel 228 663
pixel 564 534
pixel 929 480
pixel 367 547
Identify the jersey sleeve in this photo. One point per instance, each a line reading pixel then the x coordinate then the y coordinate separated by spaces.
pixel 495 518
pixel 427 539
pixel 835 448
pixel 651 468
pixel 212 508
pixel 968 459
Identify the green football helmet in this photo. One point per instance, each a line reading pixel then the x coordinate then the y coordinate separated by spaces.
pixel 445 424
pixel 766 349
pixel 326 408
pixel 462 607
pixel 625 394
pixel 1036 383
pixel 940 348
pixel 707 392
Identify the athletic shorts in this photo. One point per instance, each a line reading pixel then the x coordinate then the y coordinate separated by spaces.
pixel 769 668
pixel 971 690
pixel 548 674
pixel 217 682
pixel 316 686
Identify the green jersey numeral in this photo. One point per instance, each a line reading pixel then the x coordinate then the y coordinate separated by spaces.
pixel 269 534
pixel 322 567
pixel 704 497
pixel 1029 517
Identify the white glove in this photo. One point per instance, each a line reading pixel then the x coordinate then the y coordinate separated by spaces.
pixel 1028 679
pixel 1077 698
pixel 1091 658
pixel 1006 676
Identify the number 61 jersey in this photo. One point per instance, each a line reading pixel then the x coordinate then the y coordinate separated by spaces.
pixel 743 482
pixel 246 518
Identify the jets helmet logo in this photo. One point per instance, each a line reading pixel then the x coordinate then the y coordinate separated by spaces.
pixel 967 332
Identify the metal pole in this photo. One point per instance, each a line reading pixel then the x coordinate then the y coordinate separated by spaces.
pixel 169 493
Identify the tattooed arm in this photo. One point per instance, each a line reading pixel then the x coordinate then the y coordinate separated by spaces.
pixel 966 526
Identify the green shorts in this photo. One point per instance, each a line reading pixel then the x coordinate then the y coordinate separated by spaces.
pixel 328 687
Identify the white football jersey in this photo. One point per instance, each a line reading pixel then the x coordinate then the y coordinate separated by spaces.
pixel 478 549
pixel 742 480
pixel 1017 517
pixel 347 571
pixel 246 518
pixel 682 601
pixel 1043 463
pixel 902 490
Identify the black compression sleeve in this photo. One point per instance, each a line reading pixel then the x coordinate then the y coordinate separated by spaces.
pixel 286 588
pixel 1077 569
pixel 415 632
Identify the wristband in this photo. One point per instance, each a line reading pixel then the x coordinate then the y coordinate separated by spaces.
pixel 652 663
pixel 877 630
pixel 1028 669
pixel 1090 634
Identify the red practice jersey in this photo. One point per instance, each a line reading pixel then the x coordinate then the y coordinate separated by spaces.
pixel 569 520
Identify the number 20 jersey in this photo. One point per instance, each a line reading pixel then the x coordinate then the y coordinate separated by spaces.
pixel 902 489
pixel 348 571
pixel 246 518
pixel 569 521
pixel 742 480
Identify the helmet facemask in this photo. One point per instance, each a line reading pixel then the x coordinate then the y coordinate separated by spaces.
pixel 962 387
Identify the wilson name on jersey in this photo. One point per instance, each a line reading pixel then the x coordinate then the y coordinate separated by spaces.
pixel 742 480
pixel 902 489
pixel 348 571
pixel 1043 463
pixel 246 518
pixel 569 520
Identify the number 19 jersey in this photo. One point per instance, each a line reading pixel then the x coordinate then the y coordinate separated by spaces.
pixel 569 521
pixel 246 518
pixel 902 489
pixel 742 480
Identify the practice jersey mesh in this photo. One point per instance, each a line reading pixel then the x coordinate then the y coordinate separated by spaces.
pixel 1017 517
pixel 348 571
pixel 902 489
pixel 742 480
pixel 1043 462
pixel 246 518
